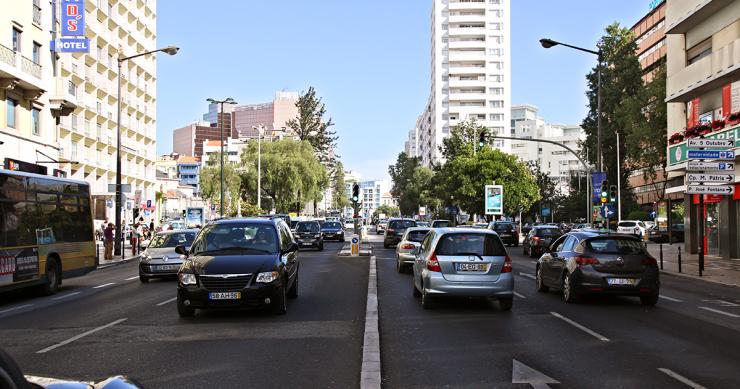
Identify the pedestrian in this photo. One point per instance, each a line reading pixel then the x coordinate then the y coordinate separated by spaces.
pixel 151 226
pixel 135 236
pixel 108 236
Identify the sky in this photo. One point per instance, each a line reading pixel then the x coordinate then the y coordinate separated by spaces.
pixel 368 60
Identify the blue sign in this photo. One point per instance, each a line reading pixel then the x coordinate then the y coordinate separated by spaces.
pixel 711 154
pixel 596 179
pixel 355 240
pixel 545 212
pixel 73 17
pixel 607 211
pixel 70 45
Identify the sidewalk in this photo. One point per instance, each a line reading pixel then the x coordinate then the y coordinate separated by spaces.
pixel 716 270
pixel 117 259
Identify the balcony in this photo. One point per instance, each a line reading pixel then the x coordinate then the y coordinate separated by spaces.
pixel 63 101
pixel 684 15
pixel 467 69
pixel 21 72
pixel 466 18
pixel 470 4
pixel 467 55
pixel 467 31
pixel 467 44
pixel 709 73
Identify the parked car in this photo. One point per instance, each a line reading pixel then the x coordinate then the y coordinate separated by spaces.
pixel 581 226
pixel 582 263
pixel 332 230
pixel 539 238
pixel 239 263
pixel 420 223
pixel 160 259
pixel 308 234
pixel 381 226
pixel 463 262
pixel 441 223
pixel 410 241
pixel 396 229
pixel 657 235
pixel 349 224
pixel 507 231
pixel 635 228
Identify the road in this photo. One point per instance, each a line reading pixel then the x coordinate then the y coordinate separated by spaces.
pixel 692 337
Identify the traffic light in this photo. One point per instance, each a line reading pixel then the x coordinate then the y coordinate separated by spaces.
pixel 605 191
pixel 613 193
pixel 482 139
pixel 355 193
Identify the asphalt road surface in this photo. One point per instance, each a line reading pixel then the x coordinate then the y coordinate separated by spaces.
pixel 107 323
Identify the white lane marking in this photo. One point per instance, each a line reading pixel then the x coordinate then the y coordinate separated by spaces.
pixel 720 312
pixel 580 327
pixel 534 262
pixel 521 296
pixel 526 275
pixel 675 300
pixel 131 278
pixel 523 374
pixel 82 335
pixel 104 285
pixel 370 372
pixel 681 378
pixel 166 301
pixel 16 308
pixel 65 296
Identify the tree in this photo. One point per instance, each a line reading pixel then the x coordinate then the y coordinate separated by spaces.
pixel 291 173
pixel 410 183
pixel 463 139
pixel 339 188
pixel 572 204
pixel 388 210
pixel 549 194
pixel 210 184
pixel 311 126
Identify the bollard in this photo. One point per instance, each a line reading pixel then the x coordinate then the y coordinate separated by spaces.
pixel 661 256
pixel 679 259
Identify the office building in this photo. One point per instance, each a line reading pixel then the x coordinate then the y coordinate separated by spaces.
pixel 272 115
pixel 189 140
pixel 233 149
pixel 703 86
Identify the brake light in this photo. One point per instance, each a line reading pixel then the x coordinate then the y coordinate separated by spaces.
pixel 390 230
pixel 535 238
pixel 507 265
pixel 433 264
pixel 649 261
pixel 407 246
pixel 581 261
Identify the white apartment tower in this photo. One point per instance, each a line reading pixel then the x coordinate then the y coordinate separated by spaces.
pixel 470 71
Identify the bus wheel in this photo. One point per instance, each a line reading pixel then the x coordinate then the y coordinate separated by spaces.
pixel 53 275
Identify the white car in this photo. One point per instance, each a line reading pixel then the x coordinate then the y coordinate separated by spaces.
pixel 632 227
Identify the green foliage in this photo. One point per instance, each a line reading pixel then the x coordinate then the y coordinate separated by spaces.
pixel 249 209
pixel 638 215
pixel 311 126
pixel 572 206
pixel 210 184
pixel 463 139
pixel 549 196
pixel 388 210
pixel 410 183
pixel 291 173
pixel 339 197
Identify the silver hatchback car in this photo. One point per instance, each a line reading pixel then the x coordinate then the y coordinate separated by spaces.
pixel 160 259
pixel 463 262
pixel 410 241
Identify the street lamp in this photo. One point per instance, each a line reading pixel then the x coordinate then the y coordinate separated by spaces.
pixel 260 129
pixel 548 43
pixel 171 50
pixel 228 100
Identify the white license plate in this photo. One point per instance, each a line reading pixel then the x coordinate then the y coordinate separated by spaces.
pixel 306 244
pixel 621 281
pixel 471 266
pixel 224 295
pixel 167 267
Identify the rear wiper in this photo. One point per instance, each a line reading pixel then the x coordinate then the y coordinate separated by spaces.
pixel 474 254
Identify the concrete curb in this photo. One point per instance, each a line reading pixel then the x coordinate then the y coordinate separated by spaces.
pixel 370 373
pixel 116 263
pixel 696 277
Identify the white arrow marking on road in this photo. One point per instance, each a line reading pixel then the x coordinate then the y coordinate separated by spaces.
pixel 82 335
pixel 681 378
pixel 720 312
pixel 523 374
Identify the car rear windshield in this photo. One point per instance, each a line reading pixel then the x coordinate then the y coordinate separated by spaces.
pixel 614 245
pixel 332 225
pixel 470 243
pixel 307 227
pixel 503 227
pixel 627 224
pixel 548 232
pixel 399 224
pixel 441 223
pixel 172 240
pixel 417 235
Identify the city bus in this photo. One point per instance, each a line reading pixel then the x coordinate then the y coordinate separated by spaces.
pixel 46 231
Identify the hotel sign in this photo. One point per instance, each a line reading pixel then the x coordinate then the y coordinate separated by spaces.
pixel 73 28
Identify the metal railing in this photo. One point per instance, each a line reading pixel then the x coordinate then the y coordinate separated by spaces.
pixel 7 55
pixel 30 67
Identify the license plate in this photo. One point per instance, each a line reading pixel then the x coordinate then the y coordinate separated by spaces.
pixel 167 267
pixel 471 266
pixel 306 244
pixel 224 295
pixel 621 281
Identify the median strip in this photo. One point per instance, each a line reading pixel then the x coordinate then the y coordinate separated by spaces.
pixel 681 378
pixel 580 327
pixel 80 336
pixel 370 372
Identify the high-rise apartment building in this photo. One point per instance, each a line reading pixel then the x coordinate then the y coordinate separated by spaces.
pixel 470 76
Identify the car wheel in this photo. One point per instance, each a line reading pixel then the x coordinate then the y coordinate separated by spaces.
pixel 570 295
pixel 342 239
pixel 532 253
pixel 143 279
pixel 416 290
pixel 293 292
pixel 516 244
pixel 505 304
pixel 183 310
pixel 386 246
pixel 541 287
pixel 426 299
pixel 650 300
pixel 321 246
pixel 52 277
pixel 280 303
pixel 399 267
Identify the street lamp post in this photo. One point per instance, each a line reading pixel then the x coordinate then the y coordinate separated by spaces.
pixel 171 50
pixel 228 100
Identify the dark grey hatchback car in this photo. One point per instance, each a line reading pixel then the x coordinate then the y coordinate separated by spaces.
pixel 592 262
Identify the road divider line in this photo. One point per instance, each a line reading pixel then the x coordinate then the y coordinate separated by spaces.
pixel 16 308
pixel 104 285
pixel 80 336
pixel 166 301
pixel 65 296
pixel 526 275
pixel 370 371
pixel 581 327
pixel 681 378
pixel 675 300
pixel 521 296
pixel 131 278
pixel 720 312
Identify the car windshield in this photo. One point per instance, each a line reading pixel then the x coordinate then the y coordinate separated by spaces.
pixel 503 227
pixel 308 227
pixel 468 243
pixel 548 232
pixel 250 238
pixel 401 224
pixel 627 224
pixel 416 235
pixel 613 245
pixel 332 225
pixel 441 223
pixel 172 240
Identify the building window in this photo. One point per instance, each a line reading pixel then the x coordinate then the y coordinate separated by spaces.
pixel 496 103
pixel 496 91
pixel 494 26
pixel 37 53
pixel 17 39
pixel 10 111
pixel 495 38
pixel 72 88
pixel 495 117
pixel 699 51
pixel 35 121
pixel 494 52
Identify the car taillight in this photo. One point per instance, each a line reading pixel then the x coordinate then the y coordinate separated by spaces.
pixel 433 264
pixel 535 240
pixel 390 230
pixel 649 261
pixel 507 265
pixel 581 260
pixel 407 246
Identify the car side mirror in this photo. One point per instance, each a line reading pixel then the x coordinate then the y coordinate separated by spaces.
pixel 180 249
pixel 293 246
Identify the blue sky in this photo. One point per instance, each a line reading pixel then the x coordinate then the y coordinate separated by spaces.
pixel 369 60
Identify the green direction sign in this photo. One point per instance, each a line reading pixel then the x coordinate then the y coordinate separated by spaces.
pixel 494 200
pixel 679 153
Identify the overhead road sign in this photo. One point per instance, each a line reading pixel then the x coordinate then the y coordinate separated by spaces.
pixel 711 189
pixel 700 166
pixel 711 177
pixel 712 143
pixel 711 154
